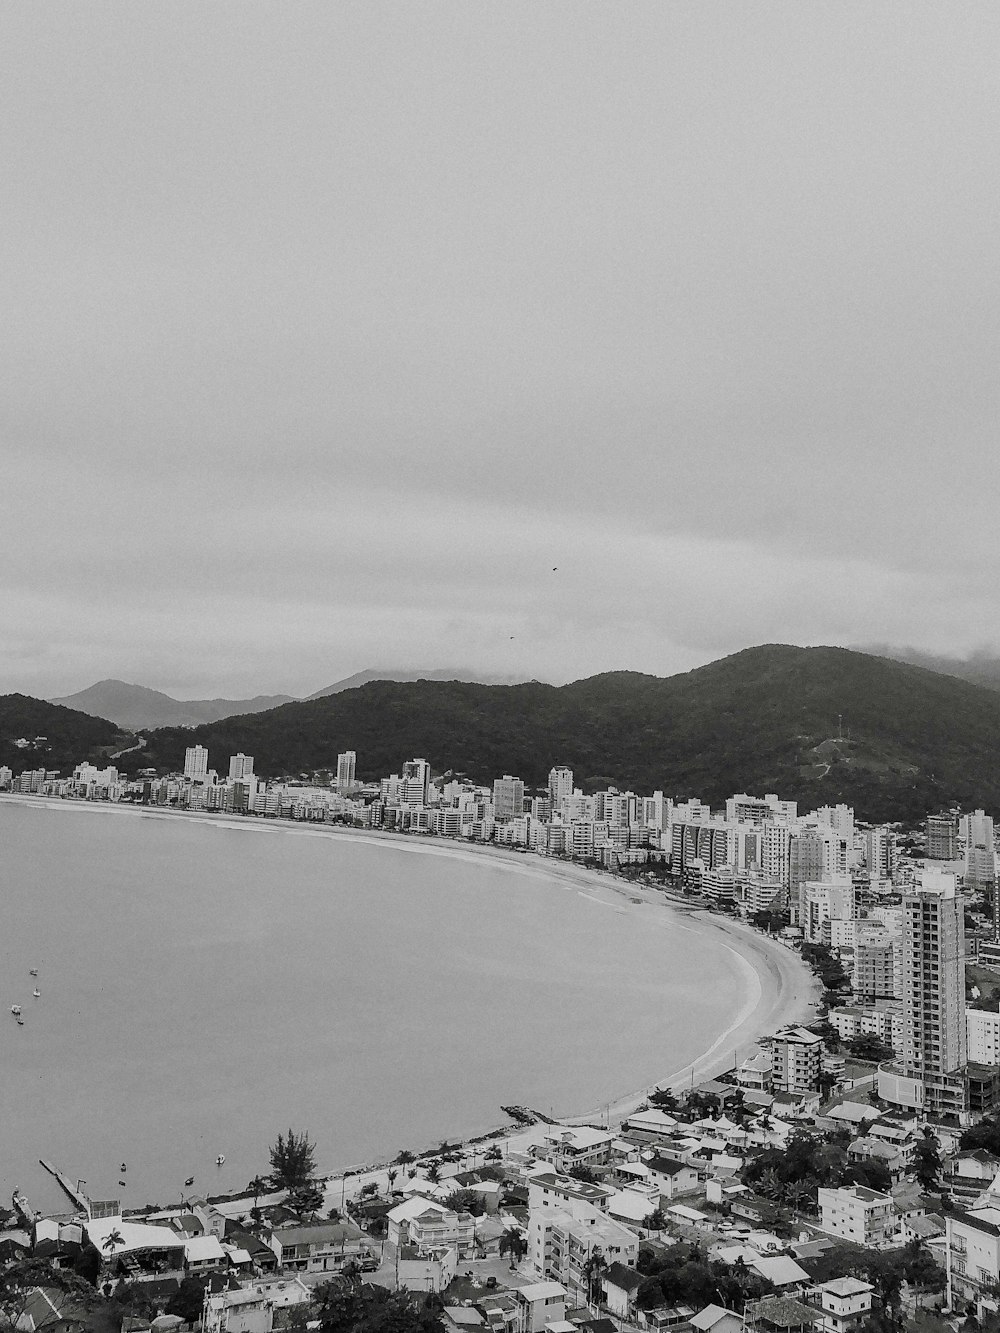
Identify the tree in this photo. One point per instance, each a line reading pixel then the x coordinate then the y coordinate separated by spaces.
pixel 655 1221
pixel 434 1172
pixel 466 1201
pixel 405 1158
pixel 866 1046
pixel 512 1242
pixel 114 1240
pixel 594 1270
pixel 493 1153
pixel 188 1300
pixel 306 1199
pixel 984 1135
pixel 19 1280
pixel 390 1180
pixel 583 1174
pixel 87 1264
pixel 293 1161
pixel 927 1161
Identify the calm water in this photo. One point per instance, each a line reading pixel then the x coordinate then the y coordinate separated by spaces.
pixel 204 987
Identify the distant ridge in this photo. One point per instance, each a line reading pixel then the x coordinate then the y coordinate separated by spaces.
pixel 135 707
pixel 391 673
pixel 980 668
pixel 818 725
pixel 58 738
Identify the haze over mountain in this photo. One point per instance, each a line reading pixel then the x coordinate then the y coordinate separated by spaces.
pixel 438 673
pixel 981 667
pixel 764 719
pixel 136 707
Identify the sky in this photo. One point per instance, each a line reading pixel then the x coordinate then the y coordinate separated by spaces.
pixel 537 338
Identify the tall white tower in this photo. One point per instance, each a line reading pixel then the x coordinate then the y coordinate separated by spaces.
pixel 933 967
pixel 240 766
pixel 196 763
pixel 560 785
pixel 347 764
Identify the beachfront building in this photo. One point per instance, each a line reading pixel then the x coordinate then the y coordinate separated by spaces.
pixel 347 764
pixel 428 1225
pixel 796 1055
pixel 196 763
pixel 315 1247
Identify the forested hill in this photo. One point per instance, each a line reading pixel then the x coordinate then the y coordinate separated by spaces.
pixel 69 736
pixel 765 719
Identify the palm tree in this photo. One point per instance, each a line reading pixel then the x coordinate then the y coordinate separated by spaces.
pixel 493 1153
pixel 594 1270
pixel 434 1172
pixel 390 1176
pixel 405 1158
pixel 111 1242
pixel 512 1242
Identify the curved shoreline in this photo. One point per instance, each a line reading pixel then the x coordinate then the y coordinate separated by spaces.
pixel 778 986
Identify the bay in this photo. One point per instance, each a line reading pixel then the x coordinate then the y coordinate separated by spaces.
pixel 203 987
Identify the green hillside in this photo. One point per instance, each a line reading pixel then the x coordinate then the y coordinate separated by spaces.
pixel 765 719
pixel 69 736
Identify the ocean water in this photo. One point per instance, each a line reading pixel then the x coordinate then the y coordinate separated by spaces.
pixel 203 987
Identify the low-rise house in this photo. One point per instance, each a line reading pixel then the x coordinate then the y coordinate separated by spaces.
pixel 652 1121
pixel 870 1149
pixel 204 1254
pixel 621 1286
pixel 716 1319
pixel 541 1303
pixel 315 1247
pixel 251 1309
pixel 420 1269
pixel 430 1225
pixel 670 1176
pixel 845 1304
pixel 632 1206
pixel 135 1249
pixel 580 1145
pixel 859 1214
pixel 784 1274
pixel 780 1314
pixel 549 1189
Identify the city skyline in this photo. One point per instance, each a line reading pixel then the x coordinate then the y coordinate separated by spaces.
pixel 340 334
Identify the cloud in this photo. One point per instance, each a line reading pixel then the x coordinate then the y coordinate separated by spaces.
pixel 333 322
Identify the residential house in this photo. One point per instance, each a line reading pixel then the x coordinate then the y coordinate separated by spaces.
pixel 315 1247
pixel 541 1303
pixel 430 1225
pixel 204 1254
pixel 870 1149
pixel 570 1146
pixel 425 1269
pixel 780 1314
pixel 716 1319
pixel 621 1286
pixel 670 1176
pixel 251 1309
pixel 845 1304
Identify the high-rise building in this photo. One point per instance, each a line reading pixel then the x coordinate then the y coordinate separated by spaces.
pixel 980 858
pixel 508 798
pixel 196 763
pixel 416 777
pixel 942 837
pixel 878 852
pixel 931 1075
pixel 240 767
pixel 560 785
pixel 347 764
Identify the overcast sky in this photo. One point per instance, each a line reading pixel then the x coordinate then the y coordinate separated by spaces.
pixel 329 329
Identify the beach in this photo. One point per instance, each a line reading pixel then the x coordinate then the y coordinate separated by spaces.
pixel 772 984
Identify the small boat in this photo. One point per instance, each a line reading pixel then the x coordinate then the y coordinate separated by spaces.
pixel 32 971
pixel 189 1181
pixel 220 1159
pixel 36 993
pixel 123 1167
pixel 15 1009
pixel 20 1021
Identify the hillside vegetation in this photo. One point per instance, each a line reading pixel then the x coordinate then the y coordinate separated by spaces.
pixel 69 735
pixel 765 719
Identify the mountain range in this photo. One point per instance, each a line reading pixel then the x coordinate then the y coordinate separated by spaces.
pixel 135 707
pixel 819 725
